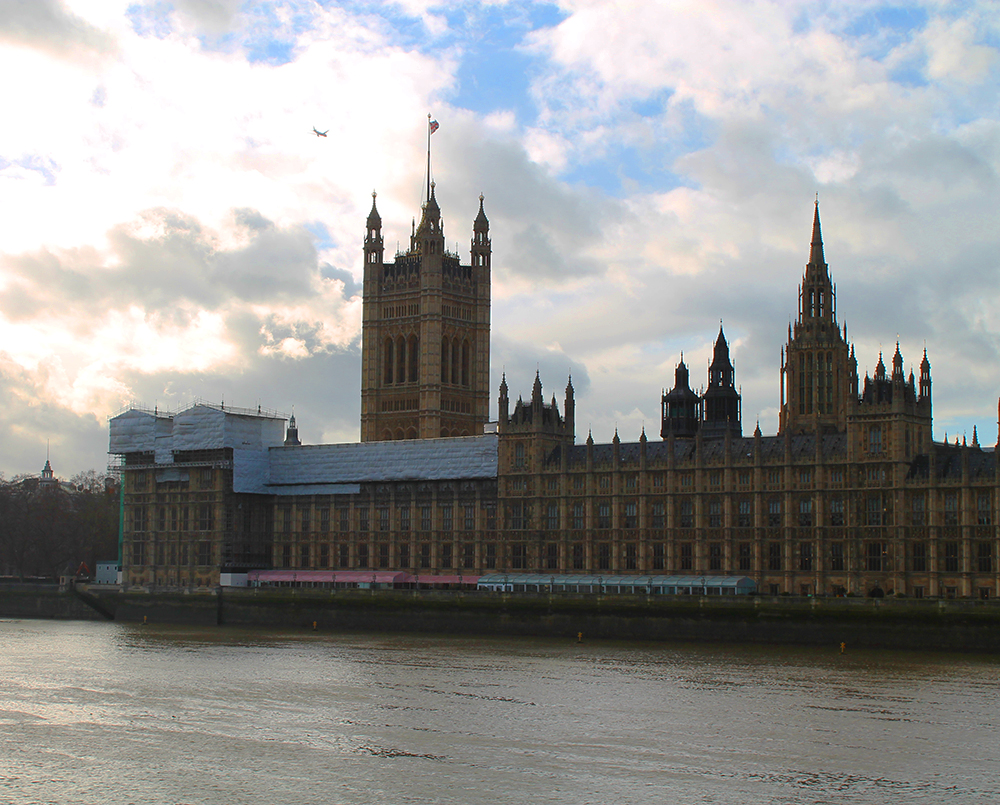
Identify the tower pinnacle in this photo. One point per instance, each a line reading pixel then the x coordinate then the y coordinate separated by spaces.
pixel 816 257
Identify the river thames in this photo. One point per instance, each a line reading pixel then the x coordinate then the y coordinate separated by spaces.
pixel 114 713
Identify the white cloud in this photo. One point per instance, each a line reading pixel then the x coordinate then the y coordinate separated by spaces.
pixel 954 55
pixel 171 227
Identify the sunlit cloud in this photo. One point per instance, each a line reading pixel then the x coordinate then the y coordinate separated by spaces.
pixel 170 227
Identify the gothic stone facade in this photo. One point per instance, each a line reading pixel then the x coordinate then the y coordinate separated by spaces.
pixel 425 353
pixel 852 495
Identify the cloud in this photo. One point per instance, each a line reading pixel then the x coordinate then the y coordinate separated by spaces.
pixel 954 55
pixel 32 422
pixel 48 25
pixel 166 259
pixel 549 229
pixel 214 16
pixel 171 298
pixel 190 237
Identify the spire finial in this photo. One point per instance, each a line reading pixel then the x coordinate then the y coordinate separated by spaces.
pixel 816 257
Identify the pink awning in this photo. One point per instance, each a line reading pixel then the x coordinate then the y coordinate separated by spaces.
pixel 356 577
pixel 330 576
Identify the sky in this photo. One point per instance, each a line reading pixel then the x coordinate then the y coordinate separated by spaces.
pixel 172 230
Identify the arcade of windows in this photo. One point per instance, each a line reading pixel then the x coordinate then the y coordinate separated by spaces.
pixel 816 372
pixel 403 404
pixel 455 359
pixel 457 312
pixel 399 311
pixel 401 360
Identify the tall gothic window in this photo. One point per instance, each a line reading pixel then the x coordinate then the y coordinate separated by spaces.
pixel 400 359
pixel 414 357
pixel 387 361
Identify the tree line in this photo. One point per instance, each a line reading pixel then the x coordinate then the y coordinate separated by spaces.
pixel 50 528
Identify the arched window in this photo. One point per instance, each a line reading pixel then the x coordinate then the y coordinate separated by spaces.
pixel 456 362
pixel 465 363
pixel 399 434
pixel 387 361
pixel 411 433
pixel 414 357
pixel 444 360
pixel 400 359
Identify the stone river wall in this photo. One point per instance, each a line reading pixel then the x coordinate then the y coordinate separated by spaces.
pixel 955 625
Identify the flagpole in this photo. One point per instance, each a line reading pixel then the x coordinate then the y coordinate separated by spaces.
pixel 428 156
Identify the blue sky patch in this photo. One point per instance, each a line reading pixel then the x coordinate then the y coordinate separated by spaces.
pixel 45 167
pixel 322 235
pixel 152 19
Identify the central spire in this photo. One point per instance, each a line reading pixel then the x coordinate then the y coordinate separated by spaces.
pixel 816 257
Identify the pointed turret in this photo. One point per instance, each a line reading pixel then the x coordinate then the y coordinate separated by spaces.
pixel 374 246
pixel 680 407
pixel 429 235
pixel 374 219
pixel 570 407
pixel 481 249
pixel 721 401
pixel 897 365
pixel 720 373
pixel 504 403
pixel 925 377
pixel 816 258
pixel 292 434
pixel 482 223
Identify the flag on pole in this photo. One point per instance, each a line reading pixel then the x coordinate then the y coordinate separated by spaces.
pixel 434 126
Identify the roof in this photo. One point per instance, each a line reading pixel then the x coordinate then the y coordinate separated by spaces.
pixel 948 460
pixel 772 449
pixel 200 427
pixel 464 457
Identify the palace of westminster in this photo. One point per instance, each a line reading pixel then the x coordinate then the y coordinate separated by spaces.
pixel 851 496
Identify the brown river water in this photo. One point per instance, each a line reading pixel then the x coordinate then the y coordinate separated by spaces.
pixel 115 713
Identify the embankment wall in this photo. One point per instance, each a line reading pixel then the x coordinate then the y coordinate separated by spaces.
pixel 896 624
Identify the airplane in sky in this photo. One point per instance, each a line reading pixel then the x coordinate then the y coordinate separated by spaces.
pixel 319 133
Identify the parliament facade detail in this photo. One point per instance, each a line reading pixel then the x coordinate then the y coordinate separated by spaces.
pixel 852 495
